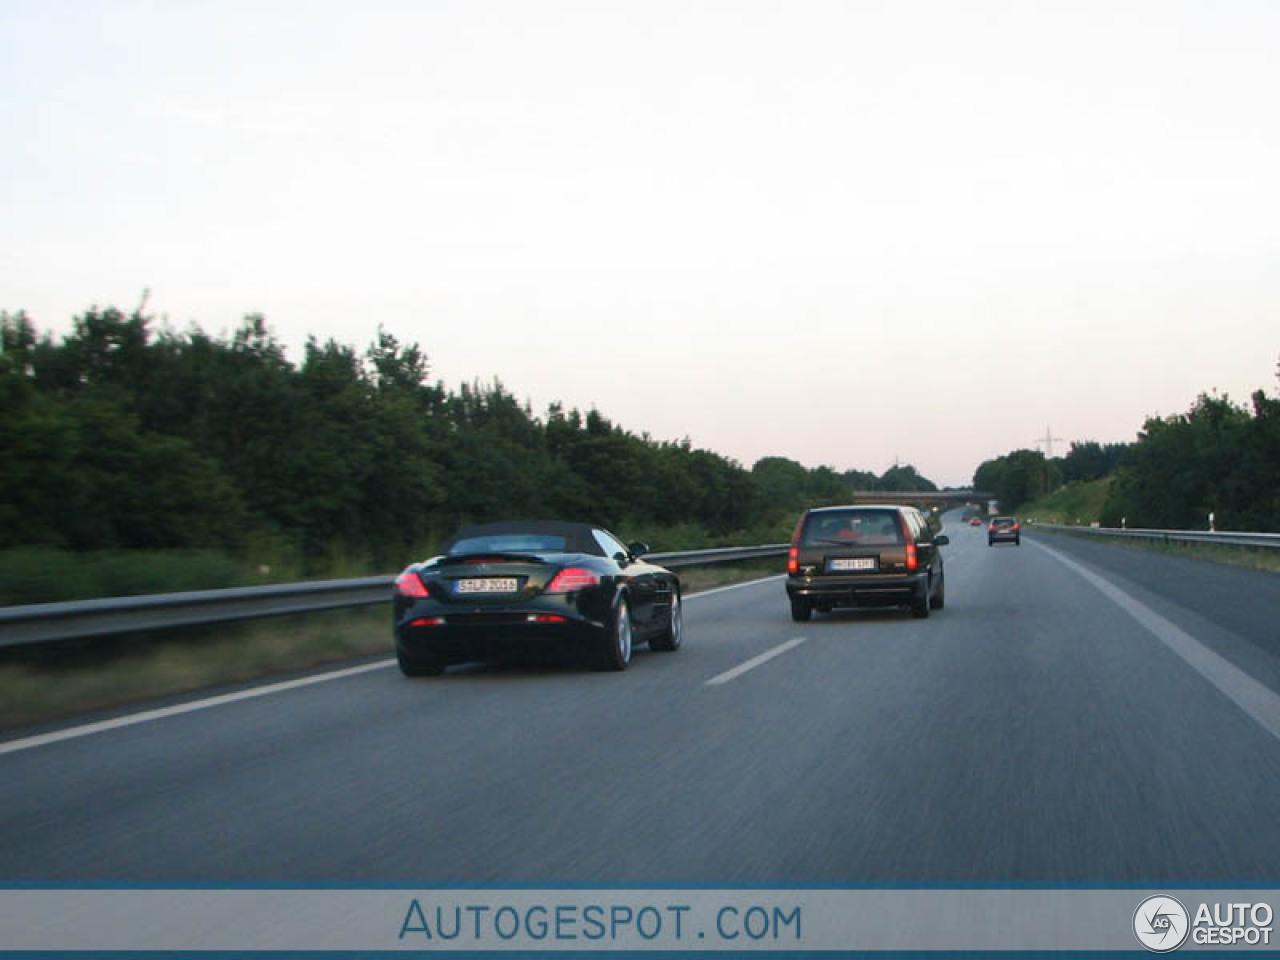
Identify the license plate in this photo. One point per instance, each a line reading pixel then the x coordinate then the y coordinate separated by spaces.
pixel 851 563
pixel 486 585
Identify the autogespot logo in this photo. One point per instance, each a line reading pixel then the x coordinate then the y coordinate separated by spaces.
pixel 1161 923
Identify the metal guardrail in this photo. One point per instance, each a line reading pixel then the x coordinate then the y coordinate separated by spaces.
pixel 1267 541
pixel 39 622
pixel 693 558
pixel 42 622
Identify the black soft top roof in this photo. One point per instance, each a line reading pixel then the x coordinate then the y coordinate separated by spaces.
pixel 577 536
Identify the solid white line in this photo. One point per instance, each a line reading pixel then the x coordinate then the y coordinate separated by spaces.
pixel 1256 699
pixel 72 733
pixel 735 586
pixel 754 662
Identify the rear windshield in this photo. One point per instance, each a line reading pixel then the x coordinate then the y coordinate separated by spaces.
pixel 510 543
pixel 852 528
pixel 1005 520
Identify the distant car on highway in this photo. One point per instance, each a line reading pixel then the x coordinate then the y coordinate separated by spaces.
pixel 535 586
pixel 975 521
pixel 857 556
pixel 1003 530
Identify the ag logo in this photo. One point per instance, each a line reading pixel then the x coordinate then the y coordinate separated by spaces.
pixel 1161 923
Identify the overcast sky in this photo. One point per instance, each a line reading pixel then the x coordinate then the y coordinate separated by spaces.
pixel 838 232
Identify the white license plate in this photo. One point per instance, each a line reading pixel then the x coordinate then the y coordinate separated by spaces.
pixel 851 563
pixel 486 585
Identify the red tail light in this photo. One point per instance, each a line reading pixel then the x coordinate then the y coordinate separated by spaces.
pixel 573 578
pixel 427 622
pixel 913 558
pixel 410 585
pixel 793 555
pixel 1017 526
pixel 545 618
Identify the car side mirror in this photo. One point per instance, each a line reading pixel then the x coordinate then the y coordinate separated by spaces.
pixel 638 549
pixel 941 540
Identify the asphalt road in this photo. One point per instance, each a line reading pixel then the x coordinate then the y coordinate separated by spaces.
pixel 1034 730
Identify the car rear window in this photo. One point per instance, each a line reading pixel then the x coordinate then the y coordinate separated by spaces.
pixel 852 528
pixel 510 543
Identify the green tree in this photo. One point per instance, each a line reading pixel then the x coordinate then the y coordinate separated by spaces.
pixel 1090 460
pixel 1219 458
pixel 903 479
pixel 1017 478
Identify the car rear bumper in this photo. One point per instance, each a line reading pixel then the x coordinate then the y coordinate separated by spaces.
pixel 491 636
pixel 864 591
pixel 998 537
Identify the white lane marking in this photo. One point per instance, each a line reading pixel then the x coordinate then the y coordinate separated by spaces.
pixel 1256 699
pixel 71 733
pixel 754 662
pixel 735 586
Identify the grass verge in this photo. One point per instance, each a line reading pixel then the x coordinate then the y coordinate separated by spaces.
pixel 54 681
pixel 693 579
pixel 1251 557
pixel 1081 503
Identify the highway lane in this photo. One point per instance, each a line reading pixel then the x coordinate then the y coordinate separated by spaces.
pixel 1033 730
pixel 1232 610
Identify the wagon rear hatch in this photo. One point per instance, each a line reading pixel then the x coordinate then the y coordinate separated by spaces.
pixel 850 543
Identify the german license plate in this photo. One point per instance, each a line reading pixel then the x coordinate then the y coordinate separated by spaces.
pixel 847 564
pixel 485 585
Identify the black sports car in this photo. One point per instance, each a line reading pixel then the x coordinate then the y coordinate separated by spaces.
pixel 533 587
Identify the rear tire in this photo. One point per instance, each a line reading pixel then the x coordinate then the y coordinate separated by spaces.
pixel 428 666
pixel 920 606
pixel 615 650
pixel 669 640
pixel 940 595
pixel 801 611
pixel 1017 541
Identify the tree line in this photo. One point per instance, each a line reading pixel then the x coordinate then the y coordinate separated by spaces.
pixel 119 436
pixel 1219 457
pixel 1021 476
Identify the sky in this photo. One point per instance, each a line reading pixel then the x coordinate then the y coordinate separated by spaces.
pixel 849 233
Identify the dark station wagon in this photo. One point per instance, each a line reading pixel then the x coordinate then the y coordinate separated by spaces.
pixel 857 556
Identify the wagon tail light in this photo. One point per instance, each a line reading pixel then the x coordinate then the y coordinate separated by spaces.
pixel 410 585
pixel 1017 526
pixel 913 557
pixel 573 578
pixel 793 555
